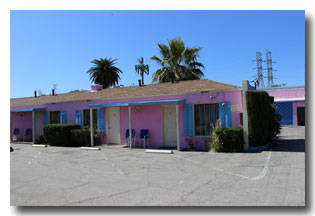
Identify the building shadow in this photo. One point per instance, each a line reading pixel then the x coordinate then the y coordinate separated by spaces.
pixel 289 145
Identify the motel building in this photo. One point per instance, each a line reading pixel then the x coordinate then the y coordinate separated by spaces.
pixel 290 103
pixel 168 113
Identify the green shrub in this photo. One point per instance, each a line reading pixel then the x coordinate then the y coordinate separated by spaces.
pixel 227 140
pixel 59 134
pixel 263 121
pixel 80 137
pixel 83 137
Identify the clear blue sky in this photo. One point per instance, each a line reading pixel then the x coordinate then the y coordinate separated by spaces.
pixel 56 47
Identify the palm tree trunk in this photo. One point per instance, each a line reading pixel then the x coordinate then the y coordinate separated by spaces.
pixel 142 78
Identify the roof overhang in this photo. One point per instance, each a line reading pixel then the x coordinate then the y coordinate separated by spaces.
pixel 139 103
pixel 289 100
pixel 27 110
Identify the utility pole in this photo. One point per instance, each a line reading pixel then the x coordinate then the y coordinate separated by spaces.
pixel 269 68
pixel 260 77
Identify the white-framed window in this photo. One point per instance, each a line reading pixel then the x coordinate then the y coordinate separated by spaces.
pixel 205 118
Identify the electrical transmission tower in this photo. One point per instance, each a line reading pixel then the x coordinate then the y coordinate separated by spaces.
pixel 269 68
pixel 260 77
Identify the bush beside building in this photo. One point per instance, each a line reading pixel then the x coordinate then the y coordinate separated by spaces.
pixel 59 134
pixel 263 121
pixel 227 140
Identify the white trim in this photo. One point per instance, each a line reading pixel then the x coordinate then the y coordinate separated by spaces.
pixel 289 99
pixel 107 128
pixel 282 88
pixel 162 126
pixel 177 127
pixel 91 127
pixel 33 126
pixel 129 125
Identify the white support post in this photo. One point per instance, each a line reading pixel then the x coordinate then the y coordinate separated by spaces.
pixel 33 126
pixel 91 127
pixel 177 128
pixel 130 131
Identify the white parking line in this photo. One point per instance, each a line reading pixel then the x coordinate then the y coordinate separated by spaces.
pixel 255 178
pixel 181 181
pixel 113 165
pixel 35 157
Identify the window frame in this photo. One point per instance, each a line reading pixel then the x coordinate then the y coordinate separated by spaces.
pixel 49 119
pixel 194 119
pixel 94 116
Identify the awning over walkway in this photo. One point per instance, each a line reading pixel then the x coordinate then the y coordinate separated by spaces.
pixel 27 110
pixel 139 103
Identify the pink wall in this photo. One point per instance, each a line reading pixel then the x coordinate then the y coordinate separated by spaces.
pixel 290 95
pixel 21 120
pixel 150 116
pixel 295 106
pixel 287 93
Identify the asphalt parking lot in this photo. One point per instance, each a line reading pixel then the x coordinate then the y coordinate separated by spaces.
pixel 57 176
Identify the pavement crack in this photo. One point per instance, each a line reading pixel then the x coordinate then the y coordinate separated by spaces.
pixel 77 186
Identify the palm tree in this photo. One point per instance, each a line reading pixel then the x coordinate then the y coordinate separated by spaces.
pixel 142 68
pixel 104 72
pixel 177 62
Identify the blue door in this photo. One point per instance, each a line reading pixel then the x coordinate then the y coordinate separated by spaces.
pixel 285 109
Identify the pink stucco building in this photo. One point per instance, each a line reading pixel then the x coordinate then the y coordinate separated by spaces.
pixel 290 102
pixel 171 112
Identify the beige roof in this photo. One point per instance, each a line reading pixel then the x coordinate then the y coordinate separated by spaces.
pixel 160 89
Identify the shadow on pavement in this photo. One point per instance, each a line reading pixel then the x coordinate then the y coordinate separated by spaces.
pixel 289 145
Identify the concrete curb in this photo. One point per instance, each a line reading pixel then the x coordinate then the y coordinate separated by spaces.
pixel 90 148
pixel 159 151
pixel 37 145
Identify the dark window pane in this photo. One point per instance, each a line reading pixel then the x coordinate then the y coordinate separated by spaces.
pixel 197 124
pixel 202 119
pixel 207 119
pixel 206 116
pixel 86 118
pixel 95 118
pixel 54 117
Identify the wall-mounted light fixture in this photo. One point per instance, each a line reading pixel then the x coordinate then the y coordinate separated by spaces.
pixel 138 109
pixel 223 104
pixel 211 97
